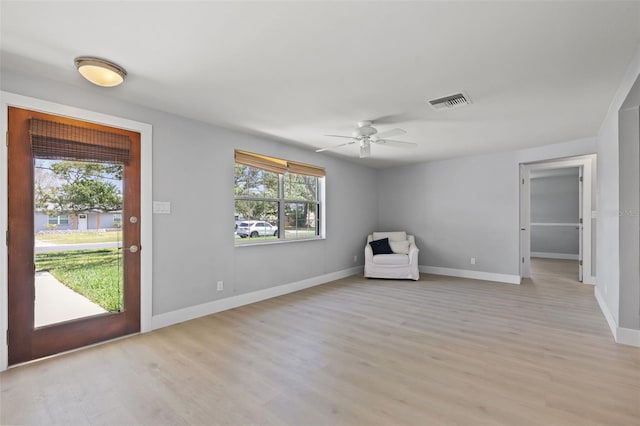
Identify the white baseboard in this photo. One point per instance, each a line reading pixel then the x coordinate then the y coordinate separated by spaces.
pixel 465 273
pixel 545 255
pixel 613 326
pixel 624 336
pixel 628 336
pixel 192 312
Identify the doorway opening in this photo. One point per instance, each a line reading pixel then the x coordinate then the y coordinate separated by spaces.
pixel 557 218
pixel 555 222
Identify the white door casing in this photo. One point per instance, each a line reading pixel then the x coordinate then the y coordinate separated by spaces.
pixel 8 99
pixel 525 222
pixel 580 223
pixel 587 165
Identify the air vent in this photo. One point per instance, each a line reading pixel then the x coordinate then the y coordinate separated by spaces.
pixel 449 102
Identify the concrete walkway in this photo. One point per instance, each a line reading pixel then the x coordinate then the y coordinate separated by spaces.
pixel 56 302
pixel 43 246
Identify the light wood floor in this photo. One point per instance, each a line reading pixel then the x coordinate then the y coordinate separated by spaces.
pixel 355 352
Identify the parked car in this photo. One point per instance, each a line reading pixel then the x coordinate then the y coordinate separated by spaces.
pixel 256 228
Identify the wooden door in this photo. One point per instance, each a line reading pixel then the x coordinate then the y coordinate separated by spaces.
pixel 26 341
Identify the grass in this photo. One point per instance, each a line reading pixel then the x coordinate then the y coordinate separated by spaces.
pixel 81 237
pixel 95 274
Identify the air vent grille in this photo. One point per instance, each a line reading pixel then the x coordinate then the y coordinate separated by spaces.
pixel 451 101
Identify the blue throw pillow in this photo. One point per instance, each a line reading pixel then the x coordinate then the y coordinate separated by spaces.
pixel 381 246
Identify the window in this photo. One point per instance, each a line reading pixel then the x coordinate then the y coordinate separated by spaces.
pixel 59 220
pixel 276 199
pixel 117 220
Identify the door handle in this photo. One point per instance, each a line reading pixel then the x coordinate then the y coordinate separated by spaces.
pixel 133 248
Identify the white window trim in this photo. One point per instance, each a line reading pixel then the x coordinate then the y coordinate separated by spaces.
pixel 281 200
pixel 58 217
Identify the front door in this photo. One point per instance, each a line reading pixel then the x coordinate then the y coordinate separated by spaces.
pixel 70 286
pixel 82 222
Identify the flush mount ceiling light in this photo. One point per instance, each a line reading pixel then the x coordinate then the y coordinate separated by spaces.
pixel 100 71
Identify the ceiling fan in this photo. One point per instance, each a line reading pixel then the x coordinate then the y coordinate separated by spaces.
pixel 365 134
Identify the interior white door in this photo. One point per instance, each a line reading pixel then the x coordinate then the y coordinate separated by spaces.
pixel 525 219
pixel 580 222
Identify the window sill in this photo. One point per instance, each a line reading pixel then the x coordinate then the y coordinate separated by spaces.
pixel 268 243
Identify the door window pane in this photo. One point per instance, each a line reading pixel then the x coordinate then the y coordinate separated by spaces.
pixel 79 261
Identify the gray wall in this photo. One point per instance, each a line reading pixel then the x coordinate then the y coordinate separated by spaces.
pixel 193 247
pixel 547 241
pixel 40 221
pixel 617 207
pixel 555 200
pixel 464 207
pixel 629 177
pixel 456 208
pixel 106 220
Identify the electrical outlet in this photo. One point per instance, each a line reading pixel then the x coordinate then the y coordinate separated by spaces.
pixel 355 258
pixel 220 286
pixel 473 260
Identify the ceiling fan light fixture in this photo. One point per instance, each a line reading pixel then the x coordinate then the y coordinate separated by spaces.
pixel 365 135
pixel 365 149
pixel 100 71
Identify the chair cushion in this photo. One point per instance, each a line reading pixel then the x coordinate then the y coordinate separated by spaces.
pixel 392 236
pixel 401 247
pixel 391 259
pixel 381 246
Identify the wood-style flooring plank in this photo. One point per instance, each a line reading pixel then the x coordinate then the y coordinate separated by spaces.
pixel 441 350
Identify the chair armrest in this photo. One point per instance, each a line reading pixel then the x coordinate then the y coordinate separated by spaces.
pixel 368 253
pixel 413 253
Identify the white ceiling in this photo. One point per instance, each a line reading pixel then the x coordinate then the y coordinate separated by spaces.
pixel 537 72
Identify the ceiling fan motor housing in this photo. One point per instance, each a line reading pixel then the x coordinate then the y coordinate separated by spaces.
pixel 365 135
pixel 364 130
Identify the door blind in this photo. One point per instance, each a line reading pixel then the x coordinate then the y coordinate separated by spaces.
pixel 60 141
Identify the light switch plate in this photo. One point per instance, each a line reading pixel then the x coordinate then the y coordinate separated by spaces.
pixel 162 207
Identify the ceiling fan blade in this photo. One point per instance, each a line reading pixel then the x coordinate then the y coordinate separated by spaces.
pixel 390 133
pixel 340 136
pixel 329 148
pixel 391 142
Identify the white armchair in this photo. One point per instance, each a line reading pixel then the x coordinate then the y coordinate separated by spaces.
pixel 401 264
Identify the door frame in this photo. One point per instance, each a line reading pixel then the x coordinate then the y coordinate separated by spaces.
pixel 8 99
pixel 588 165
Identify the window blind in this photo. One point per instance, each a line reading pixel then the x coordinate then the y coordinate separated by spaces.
pixel 59 141
pixel 277 165
pixel 305 169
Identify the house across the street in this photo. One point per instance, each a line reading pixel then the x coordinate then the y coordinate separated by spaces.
pixel 84 221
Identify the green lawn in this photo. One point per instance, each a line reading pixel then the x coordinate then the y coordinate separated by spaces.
pixel 95 274
pixel 81 237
